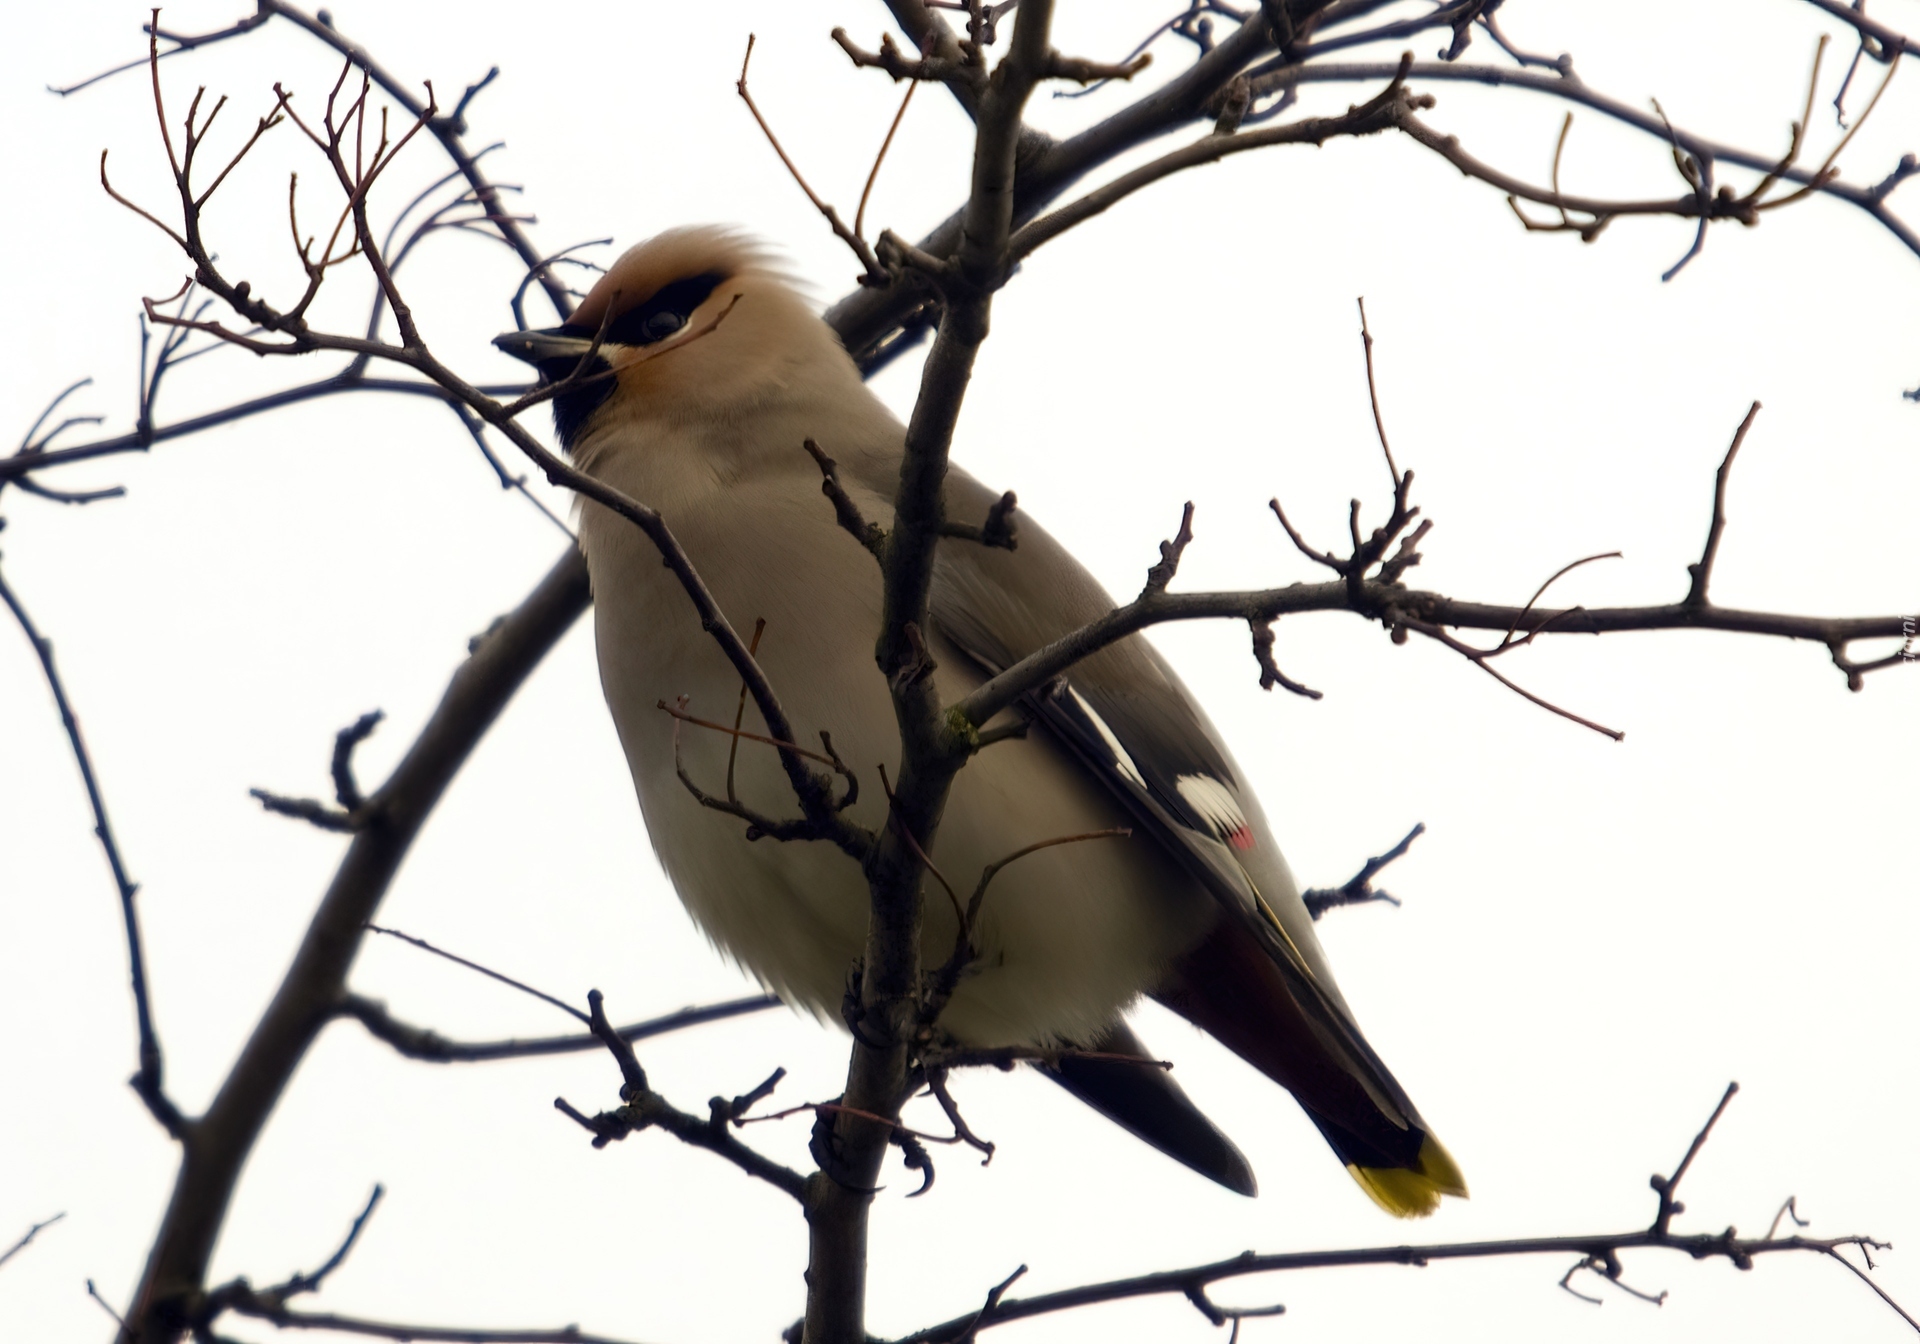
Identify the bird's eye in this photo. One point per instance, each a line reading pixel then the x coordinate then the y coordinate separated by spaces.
pixel 666 313
pixel 662 324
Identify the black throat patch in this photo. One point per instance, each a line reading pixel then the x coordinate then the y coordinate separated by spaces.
pixel 574 407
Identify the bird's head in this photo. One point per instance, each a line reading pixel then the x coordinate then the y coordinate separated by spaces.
pixel 694 322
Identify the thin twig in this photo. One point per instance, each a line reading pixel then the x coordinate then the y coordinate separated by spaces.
pixel 1182 1281
pixel 1702 572
pixel 27 1238
pixel 287 1319
pixel 872 272
pixel 1827 168
pixel 430 1046
pixel 1373 389
pixel 149 1082
pixel 491 974
pixel 1666 1186
pixel 1359 889
pixel 311 1283
pixel 860 215
pixel 676 712
pixel 740 710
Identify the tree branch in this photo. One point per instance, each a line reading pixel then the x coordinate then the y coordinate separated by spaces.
pixel 1599 1253
pixel 1703 572
pixel 1391 108
pixel 429 1046
pixel 1855 17
pixel 1384 599
pixel 812 788
pixel 26 1238
pixel 642 1108
pixel 308 997
pixel 149 1083
pixel 879 1077
pixel 1359 889
pixel 1699 1246
pixel 448 130
pixel 1572 89
pixel 1043 169
pixel 249 1304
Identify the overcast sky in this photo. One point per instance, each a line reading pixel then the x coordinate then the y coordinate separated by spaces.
pixel 1596 937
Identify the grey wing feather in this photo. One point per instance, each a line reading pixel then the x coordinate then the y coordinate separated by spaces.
pixel 1126 715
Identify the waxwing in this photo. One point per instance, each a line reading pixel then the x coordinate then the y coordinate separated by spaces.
pixel 704 420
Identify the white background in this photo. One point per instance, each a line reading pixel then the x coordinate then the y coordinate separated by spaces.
pixel 1596 937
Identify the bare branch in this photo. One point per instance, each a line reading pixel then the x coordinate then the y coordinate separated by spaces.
pixel 845 511
pixel 872 272
pixel 247 1303
pixel 681 714
pixel 1699 1246
pixel 1799 136
pixel 947 978
pixel 935 41
pixel 1572 89
pixel 310 810
pixel 140 440
pixel 1084 72
pixel 956 72
pixel 27 1237
pixel 643 1108
pixel 1381 597
pixel 1702 572
pixel 353 812
pixel 491 974
pixel 854 841
pixel 860 214
pixel 1827 169
pixel 431 1047
pixel 311 1283
pixel 1162 573
pixel 1603 1251
pixel 1374 594
pixel 997 531
pixel 150 1082
pixel 1855 17
pixel 182 42
pixel 867 318
pixel 313 987
pixel 1391 108
pixel 446 130
pixel 1373 388
pixel 1666 1186
pixel 1359 889
pixel 739 714
pixel 851 1149
pixel 1270 673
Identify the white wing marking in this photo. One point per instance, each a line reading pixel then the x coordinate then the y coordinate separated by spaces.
pixel 1122 761
pixel 1215 804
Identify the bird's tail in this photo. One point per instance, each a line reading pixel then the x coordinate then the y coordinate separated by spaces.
pixel 1277 1019
pixel 1406 1187
pixel 1143 1099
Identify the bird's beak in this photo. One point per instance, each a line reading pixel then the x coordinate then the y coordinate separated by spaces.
pixel 537 347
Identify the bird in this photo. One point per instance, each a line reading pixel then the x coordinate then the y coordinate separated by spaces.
pixel 692 376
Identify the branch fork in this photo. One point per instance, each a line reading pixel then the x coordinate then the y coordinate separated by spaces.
pixel 355 811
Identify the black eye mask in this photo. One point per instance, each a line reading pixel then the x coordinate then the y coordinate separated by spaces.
pixel 649 323
pixel 665 313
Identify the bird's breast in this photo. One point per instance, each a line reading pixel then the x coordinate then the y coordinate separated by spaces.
pixel 1068 935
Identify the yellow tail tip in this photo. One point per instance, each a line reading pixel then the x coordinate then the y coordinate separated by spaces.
pixel 1413 1192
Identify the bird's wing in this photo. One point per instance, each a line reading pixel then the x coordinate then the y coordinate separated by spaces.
pixel 1127 717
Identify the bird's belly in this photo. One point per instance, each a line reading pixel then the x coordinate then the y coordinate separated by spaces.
pixel 1067 936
